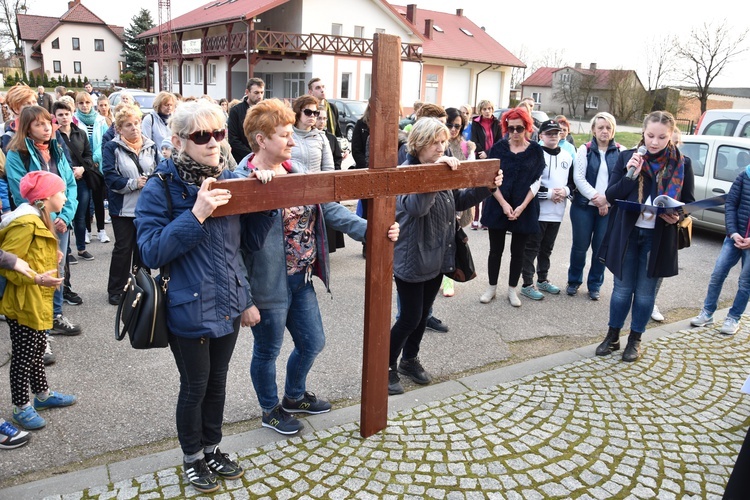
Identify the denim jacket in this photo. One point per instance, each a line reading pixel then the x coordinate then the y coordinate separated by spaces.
pixel 266 266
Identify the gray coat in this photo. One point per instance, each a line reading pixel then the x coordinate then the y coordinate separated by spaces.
pixel 311 151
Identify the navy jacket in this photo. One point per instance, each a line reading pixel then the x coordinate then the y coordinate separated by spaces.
pixel 737 214
pixel 207 287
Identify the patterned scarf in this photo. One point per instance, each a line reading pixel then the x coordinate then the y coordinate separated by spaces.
pixel 668 168
pixel 193 172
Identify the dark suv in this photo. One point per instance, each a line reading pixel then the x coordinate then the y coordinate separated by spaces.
pixel 349 112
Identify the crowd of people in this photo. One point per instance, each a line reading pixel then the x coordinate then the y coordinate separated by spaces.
pixel 69 158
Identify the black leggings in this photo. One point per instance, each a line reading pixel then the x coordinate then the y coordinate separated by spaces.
pixel 26 362
pixel 497 245
pixel 416 301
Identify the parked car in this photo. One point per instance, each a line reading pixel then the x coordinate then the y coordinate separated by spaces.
pixel 726 122
pixel 717 161
pixel 144 99
pixel 537 116
pixel 349 112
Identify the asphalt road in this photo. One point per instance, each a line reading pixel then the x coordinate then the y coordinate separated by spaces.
pixel 127 397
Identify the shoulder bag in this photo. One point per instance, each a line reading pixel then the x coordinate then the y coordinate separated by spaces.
pixel 142 310
pixel 684 232
pixel 464 266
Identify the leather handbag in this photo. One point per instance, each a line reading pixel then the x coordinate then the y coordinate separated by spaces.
pixel 464 266
pixel 142 310
pixel 684 232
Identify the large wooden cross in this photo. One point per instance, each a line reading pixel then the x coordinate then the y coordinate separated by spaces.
pixel 380 184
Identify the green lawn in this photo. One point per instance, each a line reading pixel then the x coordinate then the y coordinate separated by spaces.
pixel 627 139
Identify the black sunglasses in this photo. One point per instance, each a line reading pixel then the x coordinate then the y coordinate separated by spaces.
pixel 202 137
pixel 457 126
pixel 516 129
pixel 310 112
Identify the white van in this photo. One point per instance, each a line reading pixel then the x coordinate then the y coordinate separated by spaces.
pixel 717 161
pixel 726 122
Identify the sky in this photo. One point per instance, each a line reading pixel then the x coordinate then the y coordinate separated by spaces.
pixel 614 38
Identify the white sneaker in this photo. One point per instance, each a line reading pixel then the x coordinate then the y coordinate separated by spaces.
pixel 103 236
pixel 730 326
pixel 656 315
pixel 513 297
pixel 87 238
pixel 703 319
pixel 488 294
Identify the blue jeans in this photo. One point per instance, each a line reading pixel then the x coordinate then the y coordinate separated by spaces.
pixel 728 257
pixel 302 318
pixel 79 220
pixel 588 231
pixel 635 290
pixel 63 239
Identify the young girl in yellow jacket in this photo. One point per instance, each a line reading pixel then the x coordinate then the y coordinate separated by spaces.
pixel 28 232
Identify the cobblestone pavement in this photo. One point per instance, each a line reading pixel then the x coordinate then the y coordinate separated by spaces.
pixel 667 426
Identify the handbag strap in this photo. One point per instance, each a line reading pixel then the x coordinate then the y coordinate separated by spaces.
pixel 165 269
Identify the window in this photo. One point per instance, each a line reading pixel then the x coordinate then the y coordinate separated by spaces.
pixel 368 86
pixel 336 29
pixel 379 30
pixel 359 31
pixel 175 74
pixel 294 85
pixel 592 102
pixel 268 78
pixel 437 28
pixel 730 161
pixel 537 96
pixel 199 74
pixel 56 43
pixel 721 127
pixel 76 44
pixel 466 32
pixel 697 152
pixel 77 67
pixel 431 88
pixel 186 73
pixel 346 78
pixel 98 45
pixel 565 77
pixel 211 74
pixel 56 66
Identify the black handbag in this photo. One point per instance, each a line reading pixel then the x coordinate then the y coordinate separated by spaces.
pixel 142 310
pixel 464 265
pixel 684 232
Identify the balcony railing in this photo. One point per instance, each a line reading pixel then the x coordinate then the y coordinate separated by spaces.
pixel 281 43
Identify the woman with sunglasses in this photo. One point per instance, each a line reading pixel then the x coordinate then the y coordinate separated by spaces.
pixel 207 290
pixel 514 207
pixel 127 161
pixel 311 152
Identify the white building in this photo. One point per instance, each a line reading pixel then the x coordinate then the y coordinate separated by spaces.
pixel 76 44
pixel 446 58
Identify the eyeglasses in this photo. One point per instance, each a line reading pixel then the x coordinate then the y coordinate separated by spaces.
pixel 202 137
pixel 516 129
pixel 457 126
pixel 310 112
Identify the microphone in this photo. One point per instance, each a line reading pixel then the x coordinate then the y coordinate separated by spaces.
pixel 631 171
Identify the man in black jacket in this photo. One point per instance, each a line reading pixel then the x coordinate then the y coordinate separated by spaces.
pixel 254 92
pixel 317 89
pixel 44 99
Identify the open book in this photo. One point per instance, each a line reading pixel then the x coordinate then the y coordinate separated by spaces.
pixel 663 204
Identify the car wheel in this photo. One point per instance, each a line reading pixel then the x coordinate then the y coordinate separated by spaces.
pixel 349 133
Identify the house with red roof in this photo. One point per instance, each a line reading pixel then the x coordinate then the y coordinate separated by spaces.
pixel 446 58
pixel 78 43
pixel 579 92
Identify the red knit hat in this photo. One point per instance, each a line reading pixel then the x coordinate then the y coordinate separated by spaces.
pixel 40 185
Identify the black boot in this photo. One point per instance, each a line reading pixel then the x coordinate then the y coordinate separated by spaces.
pixel 611 342
pixel 633 349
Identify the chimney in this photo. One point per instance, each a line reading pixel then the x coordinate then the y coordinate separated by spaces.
pixel 592 66
pixel 411 12
pixel 72 3
pixel 460 12
pixel 578 65
pixel 428 23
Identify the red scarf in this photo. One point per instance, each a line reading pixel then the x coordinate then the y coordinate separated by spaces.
pixel 43 149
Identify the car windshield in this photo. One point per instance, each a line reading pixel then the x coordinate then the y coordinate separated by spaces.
pixel 357 108
pixel 145 101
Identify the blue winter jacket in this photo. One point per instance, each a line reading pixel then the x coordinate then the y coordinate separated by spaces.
pixel 266 265
pixel 737 207
pixel 207 285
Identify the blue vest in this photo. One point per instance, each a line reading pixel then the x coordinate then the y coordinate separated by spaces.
pixel 593 160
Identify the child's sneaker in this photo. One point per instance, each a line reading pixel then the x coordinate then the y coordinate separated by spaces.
pixel 531 292
pixel 220 464
pixel 54 400
pixel 10 437
pixel 200 476
pixel 546 286
pixel 28 418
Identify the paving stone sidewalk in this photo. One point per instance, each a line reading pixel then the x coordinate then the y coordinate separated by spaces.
pixel 668 426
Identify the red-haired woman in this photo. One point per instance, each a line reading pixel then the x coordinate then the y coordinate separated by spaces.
pixel 514 207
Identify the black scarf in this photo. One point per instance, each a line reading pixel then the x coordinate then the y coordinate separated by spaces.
pixel 193 172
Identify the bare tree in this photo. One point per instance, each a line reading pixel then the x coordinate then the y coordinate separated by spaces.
pixel 518 75
pixel 8 32
pixel 551 59
pixel 571 88
pixel 661 63
pixel 626 95
pixel 707 50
